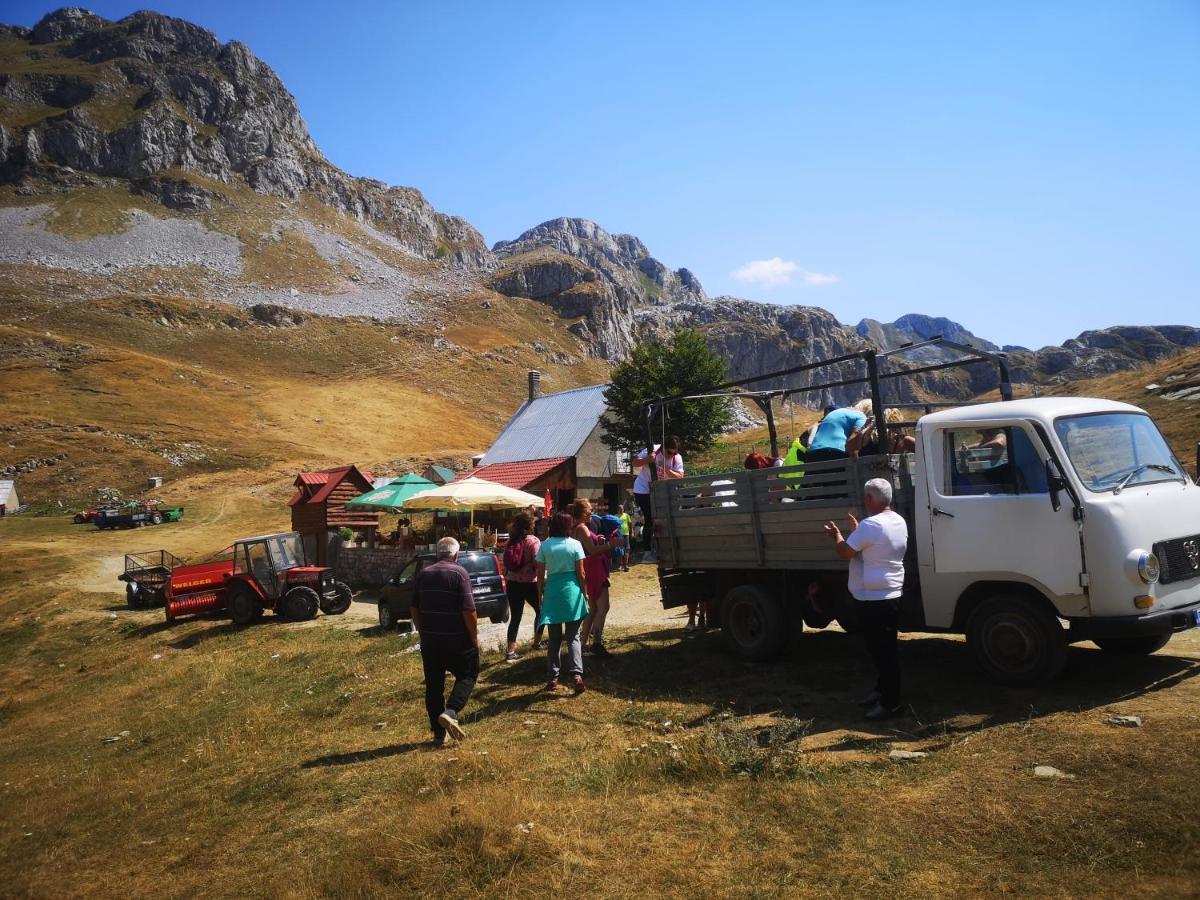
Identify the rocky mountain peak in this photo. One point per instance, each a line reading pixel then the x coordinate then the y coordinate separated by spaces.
pixel 151 93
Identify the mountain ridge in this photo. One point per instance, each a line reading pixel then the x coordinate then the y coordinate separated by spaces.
pixel 149 125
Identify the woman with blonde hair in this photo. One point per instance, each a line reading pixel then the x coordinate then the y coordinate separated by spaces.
pixel 596 567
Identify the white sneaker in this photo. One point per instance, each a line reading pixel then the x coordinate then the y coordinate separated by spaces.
pixel 449 721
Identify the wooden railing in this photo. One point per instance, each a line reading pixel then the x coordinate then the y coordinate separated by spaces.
pixel 771 518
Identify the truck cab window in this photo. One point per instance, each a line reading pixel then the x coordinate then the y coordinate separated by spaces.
pixel 993 461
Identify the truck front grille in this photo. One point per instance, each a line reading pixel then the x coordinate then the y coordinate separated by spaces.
pixel 1179 559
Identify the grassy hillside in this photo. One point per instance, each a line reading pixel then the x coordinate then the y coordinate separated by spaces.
pixel 122 383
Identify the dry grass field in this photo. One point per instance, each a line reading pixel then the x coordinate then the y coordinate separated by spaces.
pixel 288 760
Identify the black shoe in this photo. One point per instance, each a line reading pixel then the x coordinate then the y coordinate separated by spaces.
pixel 600 650
pixel 437 743
pixel 879 712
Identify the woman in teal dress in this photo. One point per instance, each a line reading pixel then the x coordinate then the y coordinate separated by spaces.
pixel 562 586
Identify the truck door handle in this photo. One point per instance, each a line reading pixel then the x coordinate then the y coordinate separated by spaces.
pixel 942 512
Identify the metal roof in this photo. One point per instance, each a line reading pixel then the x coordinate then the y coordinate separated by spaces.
pixel 1045 408
pixel 550 426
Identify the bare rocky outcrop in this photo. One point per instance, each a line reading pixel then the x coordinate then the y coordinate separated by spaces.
pixel 149 94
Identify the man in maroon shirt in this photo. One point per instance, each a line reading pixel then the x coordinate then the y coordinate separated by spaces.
pixel 443 610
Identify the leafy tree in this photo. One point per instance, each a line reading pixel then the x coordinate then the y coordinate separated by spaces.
pixel 654 370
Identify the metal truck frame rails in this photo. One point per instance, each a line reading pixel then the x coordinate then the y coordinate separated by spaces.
pixel 873 378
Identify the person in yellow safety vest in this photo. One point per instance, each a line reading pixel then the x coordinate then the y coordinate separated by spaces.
pixel 795 457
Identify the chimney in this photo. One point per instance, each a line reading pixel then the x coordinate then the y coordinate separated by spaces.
pixel 535 384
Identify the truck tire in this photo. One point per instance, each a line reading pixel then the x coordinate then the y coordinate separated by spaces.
pixel 300 604
pixel 754 623
pixel 341 602
pixel 156 519
pixel 500 615
pixel 245 607
pixel 133 597
pixel 1142 645
pixel 1016 640
pixel 79 520
pixel 387 621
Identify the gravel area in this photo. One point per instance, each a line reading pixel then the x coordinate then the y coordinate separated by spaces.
pixel 147 241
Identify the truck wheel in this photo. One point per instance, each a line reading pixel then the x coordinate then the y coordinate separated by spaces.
pixel 500 615
pixel 79 520
pixel 1016 640
pixel 754 623
pixel 156 519
pixel 387 621
pixel 300 604
pixel 133 597
pixel 1142 645
pixel 341 602
pixel 245 608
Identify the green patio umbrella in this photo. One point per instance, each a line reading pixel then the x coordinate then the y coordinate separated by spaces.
pixel 391 497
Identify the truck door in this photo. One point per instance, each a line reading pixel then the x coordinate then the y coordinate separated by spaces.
pixel 990 518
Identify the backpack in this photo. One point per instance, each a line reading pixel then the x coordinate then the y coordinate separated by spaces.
pixel 514 555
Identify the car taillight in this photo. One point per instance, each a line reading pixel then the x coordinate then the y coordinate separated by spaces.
pixel 500 572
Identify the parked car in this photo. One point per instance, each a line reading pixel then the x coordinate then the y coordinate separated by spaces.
pixel 487 583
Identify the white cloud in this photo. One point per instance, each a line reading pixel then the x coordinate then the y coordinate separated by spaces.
pixel 776 272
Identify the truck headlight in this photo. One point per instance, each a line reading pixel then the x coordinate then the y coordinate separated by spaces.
pixel 1148 568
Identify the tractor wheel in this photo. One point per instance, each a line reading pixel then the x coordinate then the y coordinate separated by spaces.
pixel 156 519
pixel 341 602
pixel 1142 645
pixel 79 520
pixel 245 608
pixel 387 620
pixel 300 604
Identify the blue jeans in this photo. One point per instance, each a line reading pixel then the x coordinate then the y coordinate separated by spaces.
pixel 574 650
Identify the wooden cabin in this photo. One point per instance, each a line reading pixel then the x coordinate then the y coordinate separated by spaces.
pixel 319 509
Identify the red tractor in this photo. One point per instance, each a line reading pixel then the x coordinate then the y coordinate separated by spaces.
pixel 266 572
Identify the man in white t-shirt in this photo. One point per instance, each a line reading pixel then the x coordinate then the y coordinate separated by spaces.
pixel 875 548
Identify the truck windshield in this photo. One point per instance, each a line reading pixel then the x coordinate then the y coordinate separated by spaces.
pixel 1116 450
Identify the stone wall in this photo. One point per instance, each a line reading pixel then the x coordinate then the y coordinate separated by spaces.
pixel 363 568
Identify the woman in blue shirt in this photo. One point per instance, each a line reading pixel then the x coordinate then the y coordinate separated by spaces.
pixel 562 585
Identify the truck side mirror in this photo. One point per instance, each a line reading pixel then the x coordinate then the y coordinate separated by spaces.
pixel 1056 482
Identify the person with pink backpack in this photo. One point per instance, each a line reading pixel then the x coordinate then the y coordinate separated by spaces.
pixel 520 572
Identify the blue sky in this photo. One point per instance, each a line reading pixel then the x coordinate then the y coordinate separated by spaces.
pixel 1030 169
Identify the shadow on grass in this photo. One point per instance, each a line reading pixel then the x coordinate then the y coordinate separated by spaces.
pixel 360 756
pixel 825 673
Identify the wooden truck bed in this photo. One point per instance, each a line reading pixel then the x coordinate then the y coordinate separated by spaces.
pixel 767 518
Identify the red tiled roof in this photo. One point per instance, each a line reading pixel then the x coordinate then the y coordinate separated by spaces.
pixel 515 474
pixel 325 482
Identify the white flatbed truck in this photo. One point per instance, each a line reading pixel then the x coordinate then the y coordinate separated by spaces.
pixel 1080 524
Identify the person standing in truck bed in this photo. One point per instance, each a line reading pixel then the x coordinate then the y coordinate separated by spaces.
pixel 875 548
pixel 835 434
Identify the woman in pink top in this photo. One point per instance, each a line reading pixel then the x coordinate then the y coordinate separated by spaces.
pixel 520 573
pixel 596 566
